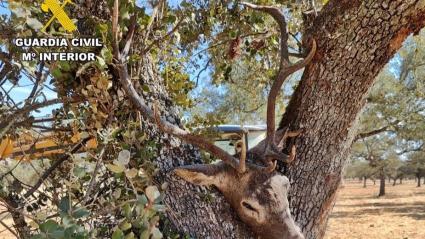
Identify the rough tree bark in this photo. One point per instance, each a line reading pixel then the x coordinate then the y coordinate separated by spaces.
pixel 355 40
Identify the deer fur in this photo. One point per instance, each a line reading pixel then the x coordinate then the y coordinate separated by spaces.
pixel 258 197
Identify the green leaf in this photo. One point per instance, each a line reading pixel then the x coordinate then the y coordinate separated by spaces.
pixel 115 168
pixel 34 23
pixel 80 212
pixel 56 73
pixel 125 226
pixel 123 158
pixel 144 235
pixel 156 233
pixel 130 236
pixel 117 193
pixel 131 173
pixel 58 234
pixel 152 193
pixel 79 172
pixel 127 210
pixel 101 62
pixel 64 204
pixel 106 53
pixel 49 226
pixel 103 27
pixel 118 234
pixel 146 88
pixel 142 200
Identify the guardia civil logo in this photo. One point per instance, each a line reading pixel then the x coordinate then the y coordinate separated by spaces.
pixel 58 11
pixel 62 47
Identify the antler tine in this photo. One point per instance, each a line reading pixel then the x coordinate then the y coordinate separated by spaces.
pixel 242 159
pixel 285 70
pixel 238 165
pixel 272 150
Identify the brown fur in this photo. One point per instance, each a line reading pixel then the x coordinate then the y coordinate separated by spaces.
pixel 259 197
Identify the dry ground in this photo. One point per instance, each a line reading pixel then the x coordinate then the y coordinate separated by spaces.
pixel 359 214
pixel 6 219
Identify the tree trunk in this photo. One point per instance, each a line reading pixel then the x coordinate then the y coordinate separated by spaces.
pixel 419 181
pixel 395 180
pixel 355 40
pixel 364 182
pixel 188 210
pixel 401 181
pixel 381 183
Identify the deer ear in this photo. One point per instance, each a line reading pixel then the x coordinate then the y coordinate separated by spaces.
pixel 201 174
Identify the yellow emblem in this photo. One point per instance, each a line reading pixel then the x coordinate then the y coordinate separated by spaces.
pixel 58 13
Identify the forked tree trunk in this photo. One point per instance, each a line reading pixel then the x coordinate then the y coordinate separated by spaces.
pixel 356 38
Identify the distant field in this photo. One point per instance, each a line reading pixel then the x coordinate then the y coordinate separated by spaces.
pixel 359 214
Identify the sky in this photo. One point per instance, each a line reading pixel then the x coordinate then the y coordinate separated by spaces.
pixel 21 91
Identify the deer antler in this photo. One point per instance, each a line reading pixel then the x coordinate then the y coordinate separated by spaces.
pixel 272 150
pixel 238 164
pixel 153 116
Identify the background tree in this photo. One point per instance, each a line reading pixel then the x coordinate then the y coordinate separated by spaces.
pixel 361 170
pixel 417 164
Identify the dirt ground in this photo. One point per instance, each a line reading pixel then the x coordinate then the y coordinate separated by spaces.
pixel 6 219
pixel 359 214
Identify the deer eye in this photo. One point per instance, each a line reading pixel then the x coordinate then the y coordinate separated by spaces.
pixel 249 206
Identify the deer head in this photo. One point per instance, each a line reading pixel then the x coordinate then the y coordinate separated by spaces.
pixel 256 192
pixel 258 197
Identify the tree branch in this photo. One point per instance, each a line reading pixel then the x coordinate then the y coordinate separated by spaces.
pixel 371 133
pixel 54 166
pixel 281 21
pixel 419 148
pixel 155 42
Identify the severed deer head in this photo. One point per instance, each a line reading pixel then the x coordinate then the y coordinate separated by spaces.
pixel 252 187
